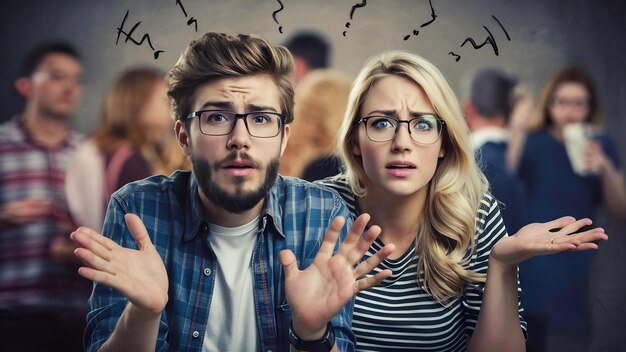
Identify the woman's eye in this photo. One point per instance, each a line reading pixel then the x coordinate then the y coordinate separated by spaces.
pixel 423 125
pixel 382 123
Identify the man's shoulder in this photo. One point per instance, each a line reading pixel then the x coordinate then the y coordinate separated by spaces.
pixel 294 195
pixel 306 188
pixel 10 132
pixel 156 185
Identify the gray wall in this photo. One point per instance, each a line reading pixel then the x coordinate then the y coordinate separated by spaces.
pixel 545 35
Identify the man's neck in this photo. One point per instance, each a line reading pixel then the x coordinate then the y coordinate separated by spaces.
pixel 480 122
pixel 222 217
pixel 49 131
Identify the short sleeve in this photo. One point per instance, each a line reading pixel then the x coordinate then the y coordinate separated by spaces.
pixel 489 230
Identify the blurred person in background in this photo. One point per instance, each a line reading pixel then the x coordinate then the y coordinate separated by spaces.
pixel 487 112
pixel 135 139
pixel 555 288
pixel 310 51
pixel 320 101
pixel 42 299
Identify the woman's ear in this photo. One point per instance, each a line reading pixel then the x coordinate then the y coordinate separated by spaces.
pixel 182 136
pixel 356 149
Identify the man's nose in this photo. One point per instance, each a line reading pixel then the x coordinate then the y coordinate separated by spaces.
pixel 239 138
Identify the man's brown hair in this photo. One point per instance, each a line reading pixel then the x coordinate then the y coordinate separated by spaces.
pixel 218 55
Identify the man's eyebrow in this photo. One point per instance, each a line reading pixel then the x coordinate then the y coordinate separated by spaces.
pixel 225 105
pixel 255 107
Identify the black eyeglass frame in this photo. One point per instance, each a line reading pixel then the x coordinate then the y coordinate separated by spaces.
pixel 419 116
pixel 283 121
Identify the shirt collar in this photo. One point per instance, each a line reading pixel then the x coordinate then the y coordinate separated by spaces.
pixel 272 213
pixel 72 139
pixel 488 134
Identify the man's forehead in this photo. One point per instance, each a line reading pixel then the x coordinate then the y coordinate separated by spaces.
pixel 256 89
pixel 59 61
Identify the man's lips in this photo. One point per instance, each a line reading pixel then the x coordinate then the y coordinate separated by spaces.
pixel 240 168
pixel 239 164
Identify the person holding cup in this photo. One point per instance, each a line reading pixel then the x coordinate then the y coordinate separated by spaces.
pixel 567 167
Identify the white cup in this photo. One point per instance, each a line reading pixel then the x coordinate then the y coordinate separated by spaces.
pixel 576 137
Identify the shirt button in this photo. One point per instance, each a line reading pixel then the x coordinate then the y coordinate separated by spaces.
pixel 205 228
pixel 195 334
pixel 207 271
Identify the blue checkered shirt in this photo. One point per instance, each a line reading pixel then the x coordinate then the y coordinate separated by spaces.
pixel 296 216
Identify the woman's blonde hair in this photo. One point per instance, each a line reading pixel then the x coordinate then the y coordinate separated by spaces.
pixel 320 102
pixel 445 235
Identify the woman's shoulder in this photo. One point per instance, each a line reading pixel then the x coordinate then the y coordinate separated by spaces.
pixel 488 216
pixel 341 185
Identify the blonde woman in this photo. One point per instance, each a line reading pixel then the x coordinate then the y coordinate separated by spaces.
pixel 408 164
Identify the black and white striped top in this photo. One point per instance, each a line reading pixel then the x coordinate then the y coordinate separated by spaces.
pixel 399 314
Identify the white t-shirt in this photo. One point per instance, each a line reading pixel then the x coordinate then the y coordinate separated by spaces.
pixel 232 317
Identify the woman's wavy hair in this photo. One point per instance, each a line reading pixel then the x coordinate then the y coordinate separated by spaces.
pixel 127 97
pixel 542 118
pixel 445 238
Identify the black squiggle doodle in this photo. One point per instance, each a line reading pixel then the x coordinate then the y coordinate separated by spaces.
pixel 194 21
pixel 191 20
pixel 457 57
pixel 489 40
pixel 146 37
pixel 280 28
pixel 354 7
pixel 179 3
pixel 433 17
pixel 501 26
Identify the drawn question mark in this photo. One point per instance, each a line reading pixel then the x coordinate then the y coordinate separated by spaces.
pixel 280 28
pixel 354 7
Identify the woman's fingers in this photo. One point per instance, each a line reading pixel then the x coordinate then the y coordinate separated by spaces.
pixel 574 226
pixel 560 223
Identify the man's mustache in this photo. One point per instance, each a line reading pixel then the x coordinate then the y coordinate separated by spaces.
pixel 235 156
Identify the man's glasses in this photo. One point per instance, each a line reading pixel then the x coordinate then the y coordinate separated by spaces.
pixel 424 129
pixel 262 124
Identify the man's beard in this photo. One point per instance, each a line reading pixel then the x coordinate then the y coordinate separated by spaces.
pixel 241 200
pixel 55 114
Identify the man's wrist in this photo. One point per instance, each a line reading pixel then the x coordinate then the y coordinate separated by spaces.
pixel 323 344
pixel 307 332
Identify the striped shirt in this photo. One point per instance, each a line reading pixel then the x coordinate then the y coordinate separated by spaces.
pixel 296 216
pixel 399 314
pixel 30 280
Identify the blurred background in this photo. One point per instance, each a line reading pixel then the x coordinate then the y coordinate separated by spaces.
pixel 545 35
